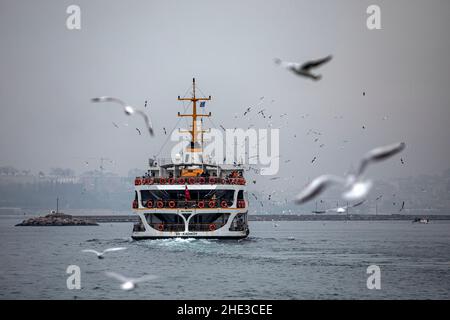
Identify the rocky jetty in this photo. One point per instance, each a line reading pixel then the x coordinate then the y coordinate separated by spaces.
pixel 57 219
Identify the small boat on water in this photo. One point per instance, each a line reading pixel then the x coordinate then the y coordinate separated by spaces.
pixel 421 220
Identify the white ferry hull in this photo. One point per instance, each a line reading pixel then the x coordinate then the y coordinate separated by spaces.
pixel 222 232
pixel 198 235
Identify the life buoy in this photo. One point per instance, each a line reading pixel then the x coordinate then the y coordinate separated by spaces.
pixel 212 204
pixel 212 227
pixel 149 204
pixel 191 180
pixel 224 204
pixel 144 181
pixel 137 182
pixel 135 204
pixel 201 204
pixel 181 181
pixel 160 204
pixel 222 181
pixel 241 204
pixel 160 227
pixel 171 180
pixel 201 180
pixel 150 181
pixel 172 204
pixel 162 180
pixel 212 180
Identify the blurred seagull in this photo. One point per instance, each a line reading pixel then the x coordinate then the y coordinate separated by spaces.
pixel 355 186
pixel 100 254
pixel 129 283
pixel 139 131
pixel 341 209
pixel 304 69
pixel 115 125
pixel 129 110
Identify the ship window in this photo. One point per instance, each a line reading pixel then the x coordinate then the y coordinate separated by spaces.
pixel 203 222
pixel 196 195
pixel 166 221
pixel 239 222
pixel 240 195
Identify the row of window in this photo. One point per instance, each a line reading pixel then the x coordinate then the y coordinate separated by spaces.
pixel 194 195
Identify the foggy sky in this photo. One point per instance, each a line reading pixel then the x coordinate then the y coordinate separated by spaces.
pixel 150 50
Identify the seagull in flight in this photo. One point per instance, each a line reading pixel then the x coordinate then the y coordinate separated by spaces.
pixel 100 254
pixel 129 110
pixel 355 187
pixel 139 131
pixel 340 209
pixel 129 283
pixel 305 68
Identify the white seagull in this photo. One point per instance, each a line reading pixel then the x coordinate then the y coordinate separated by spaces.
pixel 129 283
pixel 129 110
pixel 305 68
pixel 340 209
pixel 356 188
pixel 100 254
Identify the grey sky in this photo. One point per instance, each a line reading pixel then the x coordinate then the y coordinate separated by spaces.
pixel 140 50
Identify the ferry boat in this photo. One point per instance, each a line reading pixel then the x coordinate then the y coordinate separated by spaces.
pixel 192 197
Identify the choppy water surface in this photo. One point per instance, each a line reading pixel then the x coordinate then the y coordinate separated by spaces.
pixel 296 260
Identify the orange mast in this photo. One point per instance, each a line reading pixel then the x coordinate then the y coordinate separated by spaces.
pixel 194 115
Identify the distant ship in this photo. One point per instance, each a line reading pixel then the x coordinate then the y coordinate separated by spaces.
pixel 421 220
pixel 194 197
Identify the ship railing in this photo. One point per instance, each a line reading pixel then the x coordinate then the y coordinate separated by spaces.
pixel 188 180
pixel 205 226
pixel 190 204
pixel 167 226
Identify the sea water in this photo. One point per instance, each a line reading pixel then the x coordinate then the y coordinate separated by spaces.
pixel 293 260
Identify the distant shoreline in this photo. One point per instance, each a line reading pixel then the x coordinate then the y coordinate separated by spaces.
pixel 280 217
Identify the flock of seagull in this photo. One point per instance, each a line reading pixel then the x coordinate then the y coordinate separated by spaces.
pixel 355 187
